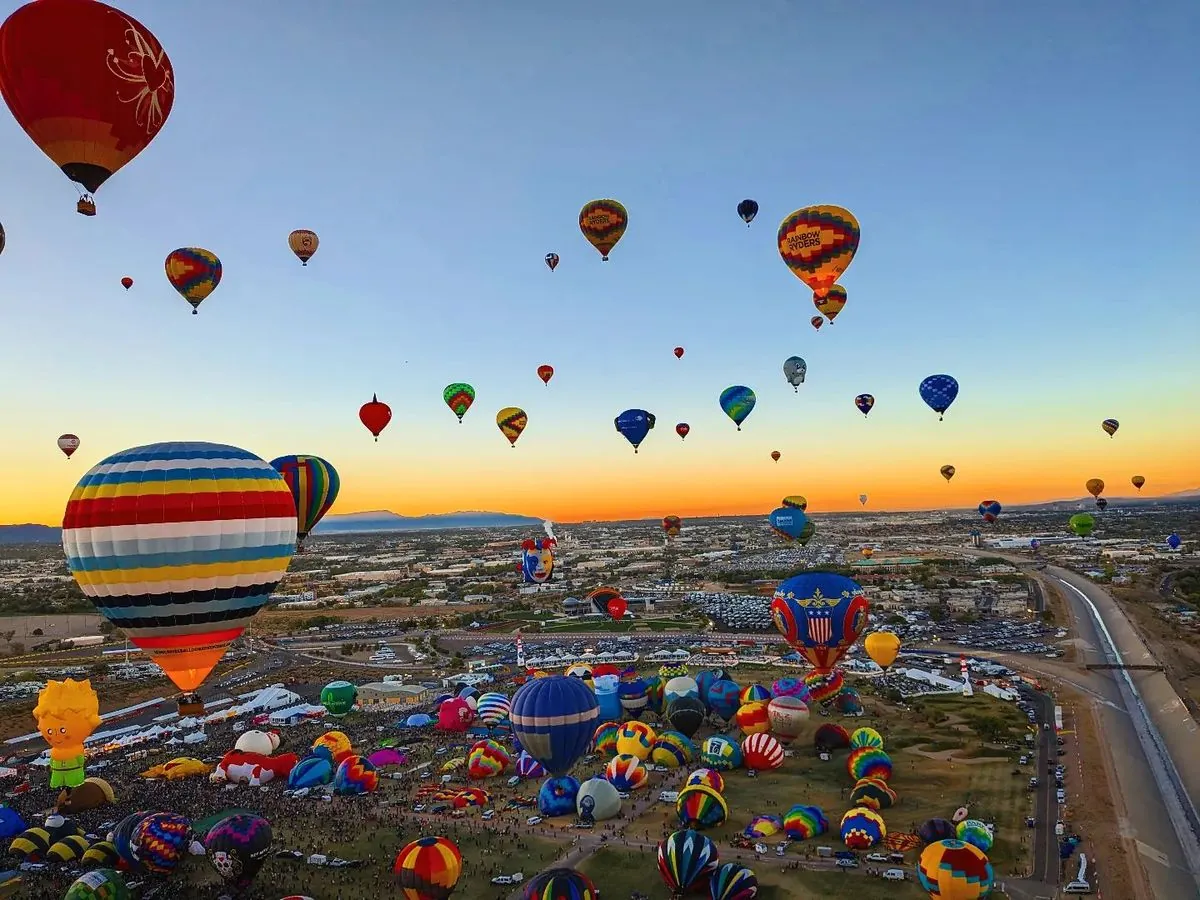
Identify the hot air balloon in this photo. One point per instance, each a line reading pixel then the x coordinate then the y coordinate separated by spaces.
pixel 1174 541
pixel 882 647
pixel 607 601
pixel 816 322
pixel 459 397
pixel 512 421
pixel 428 868
pixel 737 402
pixel 1137 481
pixel 1 238
pixel 775 454
pixel 210 528
pixel 938 392
pixel 314 484
pixel 686 860
pixel 634 425
pixel 788 522
pixel 682 429
pixel 603 222
pixel 794 370
pixel 545 373
pixel 304 244
pixel 862 498
pixel 237 846
pixel 864 402
pixel 955 870
pixel 68 444
pixel 127 282
pixel 678 351
pixel 671 525
pixel 947 472
pixel 91 86
pixel 818 243
pixel 1095 486
pixel 554 719
pixel 747 209
pixel 560 884
pixel 194 272
pixel 375 415
pixel 1101 504
pixel 820 615
pixel 832 303
pixel 795 501
pixel 1110 426
pixel 552 261
pixel 990 510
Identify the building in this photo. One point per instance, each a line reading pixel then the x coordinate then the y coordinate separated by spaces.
pixel 471 679
pixel 382 696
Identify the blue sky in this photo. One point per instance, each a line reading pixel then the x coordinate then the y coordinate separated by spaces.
pixel 1025 181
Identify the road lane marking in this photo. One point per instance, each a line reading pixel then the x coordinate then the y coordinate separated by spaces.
pixel 1157 855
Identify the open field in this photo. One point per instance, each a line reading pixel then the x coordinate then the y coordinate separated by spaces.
pixel 61 625
pixel 1176 646
pixel 289 621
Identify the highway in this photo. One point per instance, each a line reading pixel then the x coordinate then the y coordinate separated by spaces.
pixel 1139 724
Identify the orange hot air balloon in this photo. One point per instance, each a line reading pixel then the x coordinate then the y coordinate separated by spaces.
pixel 375 415
pixel 682 429
pixel 603 222
pixel 512 421
pixel 775 454
pixel 127 282
pixel 304 244
pixel 678 352
pixel 818 243
pixel 1095 486
pixel 89 84
pixel 816 322
pixel 832 303
pixel 1137 481
pixel 545 373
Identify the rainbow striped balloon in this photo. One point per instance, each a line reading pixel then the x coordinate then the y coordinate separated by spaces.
pixel 179 545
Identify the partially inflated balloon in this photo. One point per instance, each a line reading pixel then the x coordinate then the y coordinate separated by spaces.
pixel 738 402
pixel 864 402
pixel 304 244
pixel 747 209
pixel 459 397
pixel 794 370
pixel 882 647
pixel 603 222
pixel 1095 486
pixel 818 243
pixel 314 484
pixel 832 303
pixel 947 472
pixel 91 85
pixel 195 273
pixel 179 545
pixel 512 421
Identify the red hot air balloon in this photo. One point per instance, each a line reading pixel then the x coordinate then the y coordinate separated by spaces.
pixel 678 353
pixel 375 415
pixel 127 282
pixel 545 373
pixel 817 322
pixel 68 444
pixel 775 454
pixel 617 607
pixel 682 429
pixel 89 84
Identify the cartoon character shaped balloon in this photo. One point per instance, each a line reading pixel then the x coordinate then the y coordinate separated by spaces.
pixel 820 615
pixel 537 560
pixel 67 712
pixel 794 370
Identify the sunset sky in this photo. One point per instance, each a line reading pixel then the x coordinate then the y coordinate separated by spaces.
pixel 1025 186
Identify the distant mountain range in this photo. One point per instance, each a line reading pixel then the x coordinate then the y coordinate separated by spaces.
pixel 29 534
pixel 1191 496
pixel 383 520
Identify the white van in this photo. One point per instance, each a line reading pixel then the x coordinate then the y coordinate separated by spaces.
pixel 668 796
pixel 1077 887
pixel 893 875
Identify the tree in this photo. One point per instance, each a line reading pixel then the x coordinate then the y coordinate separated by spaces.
pixel 18 649
pixel 938 613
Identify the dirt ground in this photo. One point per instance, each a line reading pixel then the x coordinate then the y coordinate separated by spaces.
pixel 1097 812
pixel 54 626
pixel 1177 648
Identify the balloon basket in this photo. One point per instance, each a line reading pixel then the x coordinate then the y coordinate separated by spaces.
pixel 86 206
pixel 191 705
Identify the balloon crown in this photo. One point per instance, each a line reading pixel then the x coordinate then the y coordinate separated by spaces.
pixel 76 696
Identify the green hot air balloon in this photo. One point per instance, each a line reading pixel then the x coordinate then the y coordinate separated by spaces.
pixel 459 397
pixel 1082 524
pixel 338 698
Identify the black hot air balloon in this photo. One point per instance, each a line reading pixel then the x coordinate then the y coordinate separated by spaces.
pixel 748 209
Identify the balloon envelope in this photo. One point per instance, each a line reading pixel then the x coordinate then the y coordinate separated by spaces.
pixel 314 485
pixel 939 392
pixel 634 425
pixel 737 402
pixel 821 615
pixel 554 718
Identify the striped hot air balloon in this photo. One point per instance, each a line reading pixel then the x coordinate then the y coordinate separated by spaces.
pixel 179 545
pixel 314 484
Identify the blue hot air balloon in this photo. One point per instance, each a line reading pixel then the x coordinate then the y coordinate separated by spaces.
pixel 554 719
pixel 938 392
pixel 820 614
pixel 724 698
pixel 788 522
pixel 686 860
pixel 738 402
pixel 634 424
pixel 1174 541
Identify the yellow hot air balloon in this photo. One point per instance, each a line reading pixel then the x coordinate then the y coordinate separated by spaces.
pixel 832 303
pixel 512 421
pixel 882 647
pixel 818 244
pixel 603 222
pixel 1095 486
pixel 304 244
pixel 947 472
pixel 1137 481
pixel 795 501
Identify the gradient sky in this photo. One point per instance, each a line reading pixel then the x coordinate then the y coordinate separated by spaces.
pixel 1025 182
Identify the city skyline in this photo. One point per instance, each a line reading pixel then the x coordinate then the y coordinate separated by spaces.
pixel 1023 240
